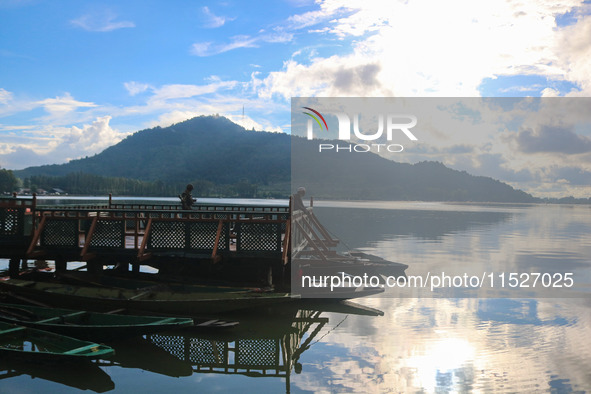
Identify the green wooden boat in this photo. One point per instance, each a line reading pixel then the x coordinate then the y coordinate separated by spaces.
pixel 192 301
pixel 41 346
pixel 87 325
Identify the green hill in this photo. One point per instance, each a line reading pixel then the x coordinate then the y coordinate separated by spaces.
pixel 365 176
pixel 224 159
pixel 207 147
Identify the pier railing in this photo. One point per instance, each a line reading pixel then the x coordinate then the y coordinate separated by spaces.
pixel 144 232
pixel 142 229
pixel 156 234
pixel 309 238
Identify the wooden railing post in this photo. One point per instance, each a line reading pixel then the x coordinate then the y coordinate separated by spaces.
pixel 217 240
pixel 88 238
pixel 36 236
pixel 141 254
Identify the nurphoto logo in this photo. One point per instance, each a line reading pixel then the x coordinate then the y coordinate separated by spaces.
pixel 391 124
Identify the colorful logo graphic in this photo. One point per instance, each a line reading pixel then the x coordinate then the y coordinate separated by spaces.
pixel 315 118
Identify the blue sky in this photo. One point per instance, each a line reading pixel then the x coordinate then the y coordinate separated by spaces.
pixel 78 76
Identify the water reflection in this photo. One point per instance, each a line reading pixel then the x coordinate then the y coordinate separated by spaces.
pixel 359 227
pixel 417 345
pixel 268 343
pixel 265 344
pixel 484 241
pixel 461 345
pixel 80 376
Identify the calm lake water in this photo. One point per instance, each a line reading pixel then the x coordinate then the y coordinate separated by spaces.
pixel 507 340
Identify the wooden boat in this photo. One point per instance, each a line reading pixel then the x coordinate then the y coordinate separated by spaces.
pixel 37 345
pixel 194 300
pixel 87 325
pixel 146 281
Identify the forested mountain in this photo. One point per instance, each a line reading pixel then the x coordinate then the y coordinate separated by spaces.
pixel 363 176
pixel 224 159
pixel 210 148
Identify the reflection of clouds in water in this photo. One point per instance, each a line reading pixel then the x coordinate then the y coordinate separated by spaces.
pixel 456 345
pixel 524 239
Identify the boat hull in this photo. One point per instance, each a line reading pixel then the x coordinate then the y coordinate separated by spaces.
pixel 137 301
pixel 26 343
pixel 87 325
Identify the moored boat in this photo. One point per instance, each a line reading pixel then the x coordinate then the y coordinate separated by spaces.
pixel 87 325
pixel 153 300
pixel 42 346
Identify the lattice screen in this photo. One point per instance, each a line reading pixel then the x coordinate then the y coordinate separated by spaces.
pixel 108 234
pixel 173 344
pixel 9 221
pixel 60 233
pixel 258 353
pixel 203 235
pixel 167 235
pixel 259 236
pixel 208 352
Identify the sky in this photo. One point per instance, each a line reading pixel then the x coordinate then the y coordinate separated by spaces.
pixel 79 76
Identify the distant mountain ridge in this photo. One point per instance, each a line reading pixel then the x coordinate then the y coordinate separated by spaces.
pixel 214 149
pixel 206 147
pixel 364 176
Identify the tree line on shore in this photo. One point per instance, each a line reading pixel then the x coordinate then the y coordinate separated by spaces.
pixel 8 182
pixel 89 184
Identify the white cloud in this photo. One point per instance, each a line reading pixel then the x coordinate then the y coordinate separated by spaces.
pixel 53 144
pixel 92 138
pixel 550 92
pixel 207 48
pixel 180 91
pixel 101 22
pixel 135 87
pixel 212 20
pixel 331 77
pixel 201 48
pixel 210 49
pixel 573 51
pixel 310 18
pixel 5 96
pixel 426 48
pixel 64 104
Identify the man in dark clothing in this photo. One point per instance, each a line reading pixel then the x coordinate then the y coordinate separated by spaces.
pixel 298 203
pixel 187 199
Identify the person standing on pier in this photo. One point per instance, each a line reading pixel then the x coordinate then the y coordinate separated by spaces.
pixel 297 200
pixel 187 199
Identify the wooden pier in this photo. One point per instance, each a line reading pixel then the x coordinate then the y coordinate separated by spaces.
pixel 208 242
pixel 245 245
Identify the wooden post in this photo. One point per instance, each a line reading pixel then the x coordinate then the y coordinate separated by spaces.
pixel 88 238
pixel 61 265
pixel 13 267
pixel 217 240
pixel 36 235
pixel 287 242
pixel 140 254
